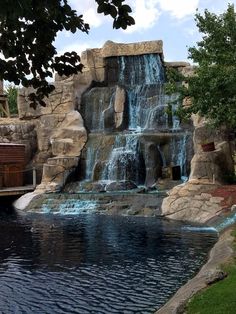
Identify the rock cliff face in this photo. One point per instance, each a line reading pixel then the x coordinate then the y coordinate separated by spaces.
pixel 197 200
pixel 210 166
pixel 61 135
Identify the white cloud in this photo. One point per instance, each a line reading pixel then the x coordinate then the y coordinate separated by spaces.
pixel 216 6
pixel 82 6
pixel 145 13
pixel 73 47
pixel 77 47
pixel 91 17
pixel 179 9
pixel 88 9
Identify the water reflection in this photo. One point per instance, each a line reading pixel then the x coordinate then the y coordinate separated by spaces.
pixel 94 263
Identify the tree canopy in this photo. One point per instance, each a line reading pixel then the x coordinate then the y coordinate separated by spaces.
pixel 212 88
pixel 28 29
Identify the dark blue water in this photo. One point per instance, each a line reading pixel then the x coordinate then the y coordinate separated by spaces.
pixel 94 263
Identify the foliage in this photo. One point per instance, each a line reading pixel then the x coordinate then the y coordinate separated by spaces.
pixel 220 297
pixel 28 29
pixel 11 92
pixel 212 88
pixel 118 11
pixel 175 86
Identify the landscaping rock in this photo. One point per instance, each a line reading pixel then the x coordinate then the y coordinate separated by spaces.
pixel 215 275
pixel 198 202
pixel 120 186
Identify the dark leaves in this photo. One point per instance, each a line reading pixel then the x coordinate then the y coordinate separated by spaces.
pixel 27 34
pixel 213 88
pixel 118 11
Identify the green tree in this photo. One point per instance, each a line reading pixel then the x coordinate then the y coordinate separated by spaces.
pixel 11 92
pixel 212 88
pixel 28 29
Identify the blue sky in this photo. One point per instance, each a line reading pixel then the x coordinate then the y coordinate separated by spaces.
pixel 169 20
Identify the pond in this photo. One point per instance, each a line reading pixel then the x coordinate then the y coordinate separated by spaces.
pixel 93 263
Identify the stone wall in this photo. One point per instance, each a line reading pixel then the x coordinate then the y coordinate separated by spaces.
pixel 18 132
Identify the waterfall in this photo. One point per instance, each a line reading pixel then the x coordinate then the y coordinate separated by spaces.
pixel 148 135
pixel 162 156
pixel 91 157
pixel 175 118
pixel 157 118
pixel 123 161
pixel 179 153
pixel 140 70
pixel 101 120
pixel 143 77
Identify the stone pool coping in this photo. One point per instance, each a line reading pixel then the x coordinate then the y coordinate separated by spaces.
pixel 220 253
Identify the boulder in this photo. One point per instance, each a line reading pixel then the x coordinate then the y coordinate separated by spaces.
pixel 114 113
pixel 192 202
pixel 215 165
pixel 120 186
pixel 70 137
pixel 67 141
pixel 211 166
pixel 214 275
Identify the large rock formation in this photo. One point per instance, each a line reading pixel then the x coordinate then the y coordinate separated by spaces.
pixel 210 166
pixel 67 142
pixel 59 126
pixel 60 133
pixel 195 200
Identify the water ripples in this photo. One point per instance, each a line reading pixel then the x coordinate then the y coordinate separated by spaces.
pixel 94 264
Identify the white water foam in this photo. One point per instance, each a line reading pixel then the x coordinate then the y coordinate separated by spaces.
pixel 71 207
pixel 199 228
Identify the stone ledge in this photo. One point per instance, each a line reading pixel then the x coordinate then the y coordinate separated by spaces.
pixel 111 49
pixel 198 202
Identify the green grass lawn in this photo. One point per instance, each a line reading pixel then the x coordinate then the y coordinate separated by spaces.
pixel 220 298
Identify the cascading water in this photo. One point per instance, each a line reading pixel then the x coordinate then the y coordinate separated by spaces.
pixel 175 118
pixel 143 77
pixel 140 70
pixel 179 155
pixel 145 139
pixel 123 163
